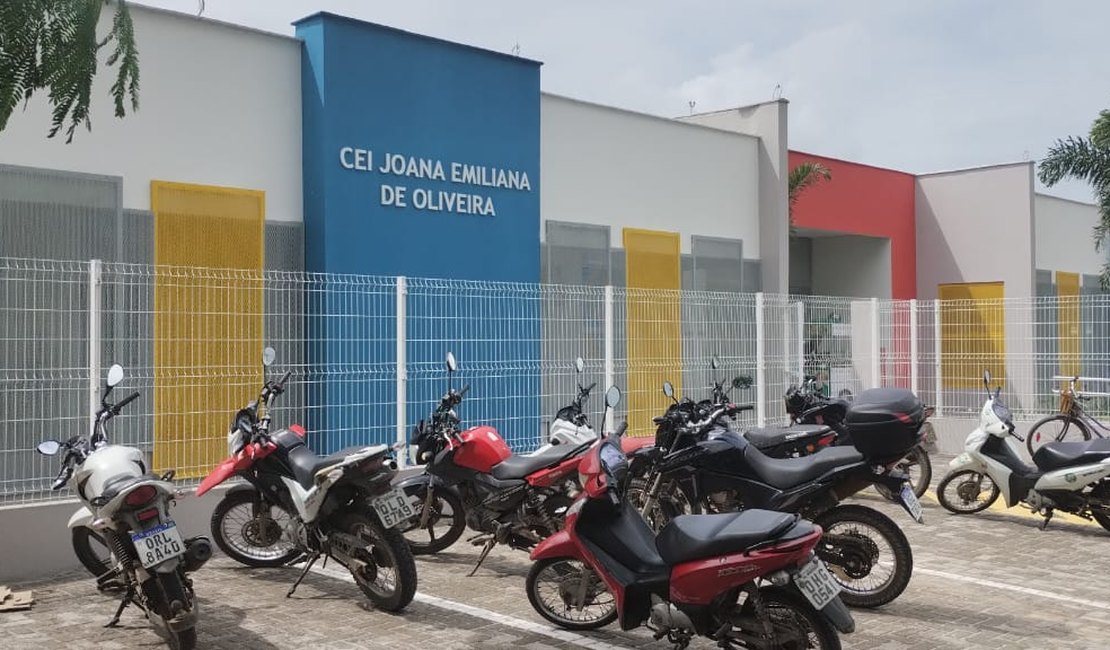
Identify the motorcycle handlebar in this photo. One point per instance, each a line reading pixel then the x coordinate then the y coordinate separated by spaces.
pixel 127 400
pixel 284 378
pixel 621 428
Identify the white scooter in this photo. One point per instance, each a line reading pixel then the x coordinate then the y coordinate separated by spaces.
pixel 127 509
pixel 1068 476
pixel 571 426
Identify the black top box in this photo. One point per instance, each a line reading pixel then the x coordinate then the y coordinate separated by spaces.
pixel 884 423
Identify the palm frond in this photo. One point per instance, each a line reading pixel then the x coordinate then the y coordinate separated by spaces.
pixel 802 176
pixel 1076 158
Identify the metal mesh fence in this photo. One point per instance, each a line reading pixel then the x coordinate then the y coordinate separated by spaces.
pixel 367 353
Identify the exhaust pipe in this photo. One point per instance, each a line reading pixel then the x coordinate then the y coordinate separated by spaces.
pixel 197 551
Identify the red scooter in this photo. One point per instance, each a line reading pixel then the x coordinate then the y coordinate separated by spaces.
pixel 745 580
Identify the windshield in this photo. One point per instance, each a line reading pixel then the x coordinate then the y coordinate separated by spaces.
pixel 1002 411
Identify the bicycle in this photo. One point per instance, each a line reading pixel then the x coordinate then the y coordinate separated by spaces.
pixel 1072 418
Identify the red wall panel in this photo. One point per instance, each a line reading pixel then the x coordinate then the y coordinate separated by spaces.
pixel 864 200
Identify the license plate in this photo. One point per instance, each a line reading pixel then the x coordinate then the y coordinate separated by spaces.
pixel 816 583
pixel 158 544
pixel 393 507
pixel 912 504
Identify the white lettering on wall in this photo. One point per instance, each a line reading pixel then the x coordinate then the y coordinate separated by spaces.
pixel 435 200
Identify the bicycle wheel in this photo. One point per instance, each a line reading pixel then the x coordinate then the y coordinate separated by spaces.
pixel 1055 428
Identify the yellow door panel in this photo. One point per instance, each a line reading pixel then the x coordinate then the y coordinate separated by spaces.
pixel 973 333
pixel 207 318
pixel 653 323
pixel 1067 322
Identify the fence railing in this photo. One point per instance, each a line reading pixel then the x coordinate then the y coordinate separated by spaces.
pixel 366 353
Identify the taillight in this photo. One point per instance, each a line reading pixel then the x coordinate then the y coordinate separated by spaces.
pixel 297 429
pixel 141 496
pixel 148 514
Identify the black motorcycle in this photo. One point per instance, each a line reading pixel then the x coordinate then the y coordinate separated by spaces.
pixel 699 464
pixel 817 422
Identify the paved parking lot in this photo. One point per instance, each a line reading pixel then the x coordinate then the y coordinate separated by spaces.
pixel 991 580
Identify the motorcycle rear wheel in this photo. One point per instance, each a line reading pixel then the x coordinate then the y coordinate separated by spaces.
pixel 387 549
pixel 918 459
pixel 862 558
pixel 788 613
pixel 566 575
pixel 160 591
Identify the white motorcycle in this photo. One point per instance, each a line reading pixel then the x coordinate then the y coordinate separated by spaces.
pixel 571 426
pixel 1068 476
pixel 127 508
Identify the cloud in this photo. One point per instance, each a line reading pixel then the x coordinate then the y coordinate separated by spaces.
pixel 918 86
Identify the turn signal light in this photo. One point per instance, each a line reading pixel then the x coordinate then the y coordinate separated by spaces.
pixel 141 496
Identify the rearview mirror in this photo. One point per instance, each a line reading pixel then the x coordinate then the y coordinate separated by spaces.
pixel 668 389
pixel 50 447
pixel 715 362
pixel 268 356
pixel 612 397
pixel 452 365
pixel 115 375
pixel 987 378
pixel 579 365
pixel 742 381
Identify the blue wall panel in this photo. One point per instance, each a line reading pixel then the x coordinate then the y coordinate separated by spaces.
pixel 457 132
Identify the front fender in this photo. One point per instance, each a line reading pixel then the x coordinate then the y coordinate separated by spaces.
pixel 964 461
pixel 558 545
pixel 81 518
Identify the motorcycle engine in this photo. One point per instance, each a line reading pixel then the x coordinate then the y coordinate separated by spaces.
pixel 296 531
pixel 724 501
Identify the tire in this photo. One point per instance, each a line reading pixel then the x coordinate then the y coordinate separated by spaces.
pixel 168 585
pixel 389 549
pixel 1072 429
pixel 780 599
pixel 1102 492
pixel 239 552
pixel 950 506
pixel 187 639
pixel 890 533
pixel 532 583
pixel 920 458
pixel 83 540
pixel 457 526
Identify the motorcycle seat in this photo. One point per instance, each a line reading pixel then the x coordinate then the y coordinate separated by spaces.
pixel 786 473
pixel 694 537
pixel 306 464
pixel 768 437
pixel 517 466
pixel 1060 455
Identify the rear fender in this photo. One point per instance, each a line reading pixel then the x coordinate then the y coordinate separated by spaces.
pixel 81 518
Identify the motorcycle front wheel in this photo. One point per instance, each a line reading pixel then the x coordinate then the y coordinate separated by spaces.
pixel 446 521
pixel 568 593
pixel 867 553
pixel 388 574
pixel 252 534
pixel 93 552
pixel 795 624
pixel 969 486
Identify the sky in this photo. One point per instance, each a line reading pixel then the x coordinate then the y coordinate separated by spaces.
pixel 914 85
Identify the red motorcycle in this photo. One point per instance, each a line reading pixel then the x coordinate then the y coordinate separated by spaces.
pixel 517 500
pixel 745 580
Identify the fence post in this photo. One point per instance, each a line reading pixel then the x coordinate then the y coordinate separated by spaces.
pixel 801 316
pixel 760 362
pixel 913 346
pixel 402 372
pixel 876 362
pixel 609 370
pixel 95 269
pixel 937 357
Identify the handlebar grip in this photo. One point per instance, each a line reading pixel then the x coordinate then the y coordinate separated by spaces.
pixel 589 388
pixel 285 378
pixel 746 407
pixel 464 390
pixel 621 428
pixel 127 400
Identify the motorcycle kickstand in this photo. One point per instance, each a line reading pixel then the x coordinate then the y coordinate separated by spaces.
pixel 1047 517
pixel 308 565
pixel 128 598
pixel 490 543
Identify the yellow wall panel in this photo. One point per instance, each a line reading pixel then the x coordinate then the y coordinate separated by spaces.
pixel 973 333
pixel 653 323
pixel 1067 290
pixel 208 335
